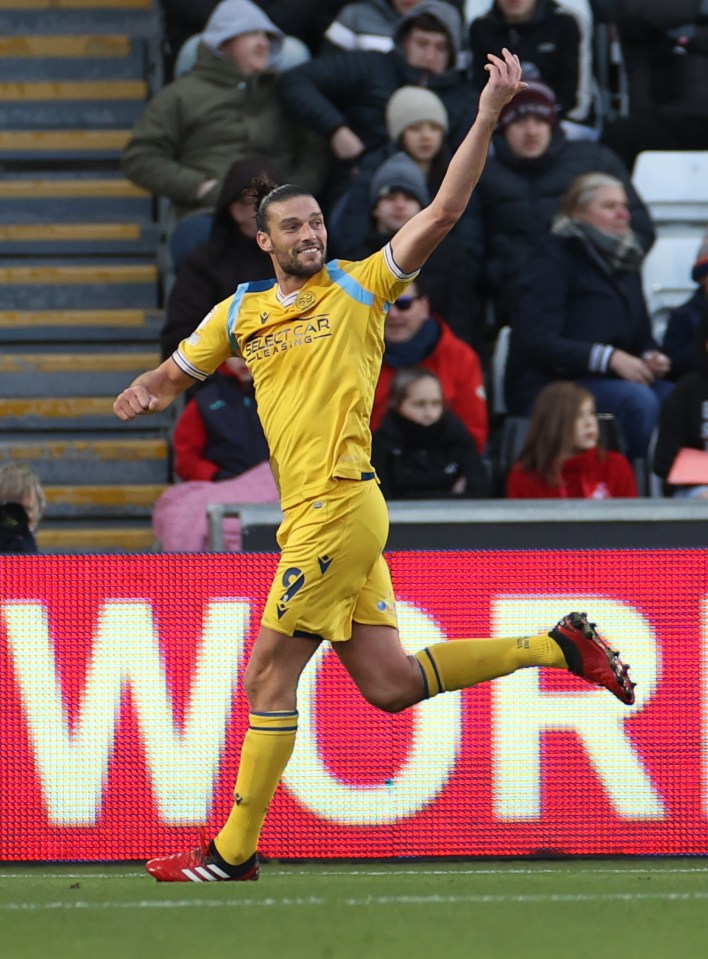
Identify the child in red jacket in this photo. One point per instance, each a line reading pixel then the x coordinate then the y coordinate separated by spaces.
pixel 561 457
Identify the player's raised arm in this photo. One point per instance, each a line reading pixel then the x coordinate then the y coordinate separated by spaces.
pixel 152 391
pixel 417 239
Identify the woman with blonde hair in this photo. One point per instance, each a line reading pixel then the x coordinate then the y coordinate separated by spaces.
pixel 562 457
pixel 22 503
pixel 579 314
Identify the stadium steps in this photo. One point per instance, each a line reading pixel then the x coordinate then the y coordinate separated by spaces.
pixel 100 502
pixel 91 538
pixel 91 460
pixel 135 18
pixel 57 58
pixel 77 198
pixel 69 374
pixel 75 413
pixel 66 285
pixel 84 326
pixel 79 284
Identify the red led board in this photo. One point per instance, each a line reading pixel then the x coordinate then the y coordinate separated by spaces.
pixel 122 711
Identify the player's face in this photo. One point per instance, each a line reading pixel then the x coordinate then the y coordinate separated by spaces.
pixel 422 140
pixel 297 236
pixel 406 315
pixel 607 210
pixel 426 50
pixel 529 136
pixel 423 403
pixel 586 428
pixel 250 52
pixel 516 11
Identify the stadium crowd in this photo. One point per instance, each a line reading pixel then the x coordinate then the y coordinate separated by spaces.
pixel 363 103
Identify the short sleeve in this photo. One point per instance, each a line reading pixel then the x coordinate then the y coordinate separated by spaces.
pixel 381 275
pixel 208 346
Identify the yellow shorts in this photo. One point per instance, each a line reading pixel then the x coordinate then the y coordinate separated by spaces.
pixel 331 569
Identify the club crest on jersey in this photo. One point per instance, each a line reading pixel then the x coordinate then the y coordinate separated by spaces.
pixel 305 300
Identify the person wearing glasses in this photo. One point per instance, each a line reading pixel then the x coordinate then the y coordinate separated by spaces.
pixel 416 336
pixel 313 339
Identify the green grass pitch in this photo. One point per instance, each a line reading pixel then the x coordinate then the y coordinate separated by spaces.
pixel 580 909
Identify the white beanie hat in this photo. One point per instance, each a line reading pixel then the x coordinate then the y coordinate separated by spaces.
pixel 410 105
pixel 232 18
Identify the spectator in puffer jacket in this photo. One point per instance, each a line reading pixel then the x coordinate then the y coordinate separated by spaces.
pixel 367 25
pixel 230 256
pixel 218 436
pixel 580 314
pixel 224 109
pixel 548 41
pixel 343 96
pixel 422 450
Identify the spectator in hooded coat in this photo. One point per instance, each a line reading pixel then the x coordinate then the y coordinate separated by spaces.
pixel 230 256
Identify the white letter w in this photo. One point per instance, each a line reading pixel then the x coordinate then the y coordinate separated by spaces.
pixel 73 762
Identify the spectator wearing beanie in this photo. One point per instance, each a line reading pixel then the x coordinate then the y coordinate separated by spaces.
pixel 532 165
pixel 417 124
pixel 397 191
pixel 682 330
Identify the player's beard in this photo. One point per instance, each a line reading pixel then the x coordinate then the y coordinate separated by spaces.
pixel 292 266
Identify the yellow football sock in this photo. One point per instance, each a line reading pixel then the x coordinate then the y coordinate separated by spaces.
pixel 267 747
pixel 460 663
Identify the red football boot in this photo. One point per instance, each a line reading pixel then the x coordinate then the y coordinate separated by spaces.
pixel 590 656
pixel 203 864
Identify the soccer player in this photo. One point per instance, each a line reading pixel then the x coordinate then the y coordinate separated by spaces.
pixel 313 340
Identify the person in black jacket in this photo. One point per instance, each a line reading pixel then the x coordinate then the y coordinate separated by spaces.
pixel 580 314
pixel 22 503
pixel 230 256
pixel 684 417
pixel 665 53
pixel 532 166
pixel 343 96
pixel 421 450
pixel 685 320
pixel 548 42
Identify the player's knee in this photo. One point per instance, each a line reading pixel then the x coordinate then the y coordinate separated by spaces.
pixel 388 700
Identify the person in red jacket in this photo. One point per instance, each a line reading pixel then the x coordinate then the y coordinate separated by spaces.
pixel 562 458
pixel 416 337
pixel 218 435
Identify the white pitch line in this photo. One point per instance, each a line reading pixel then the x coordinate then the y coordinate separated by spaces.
pixel 490 899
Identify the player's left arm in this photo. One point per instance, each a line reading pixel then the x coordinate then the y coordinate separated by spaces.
pixel 417 239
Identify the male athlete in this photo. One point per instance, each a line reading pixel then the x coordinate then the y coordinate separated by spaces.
pixel 313 340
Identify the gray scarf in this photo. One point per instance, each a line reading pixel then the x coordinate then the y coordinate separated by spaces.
pixel 616 254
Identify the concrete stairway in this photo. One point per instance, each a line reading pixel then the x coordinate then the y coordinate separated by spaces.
pixel 79 285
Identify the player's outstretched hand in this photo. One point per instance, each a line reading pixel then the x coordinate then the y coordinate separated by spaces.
pixel 135 401
pixel 503 83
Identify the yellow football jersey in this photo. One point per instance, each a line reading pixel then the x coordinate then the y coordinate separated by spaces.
pixel 315 356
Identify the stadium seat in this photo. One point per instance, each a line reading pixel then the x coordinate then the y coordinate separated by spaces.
pixel 674 186
pixel 666 277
